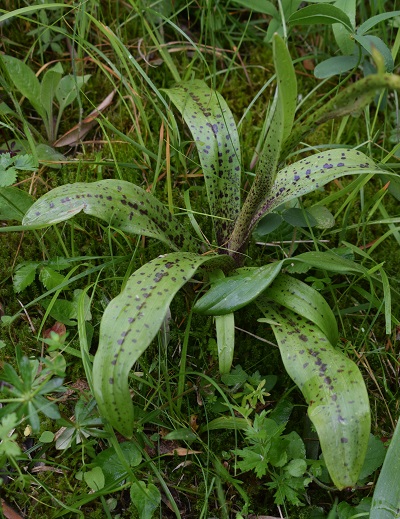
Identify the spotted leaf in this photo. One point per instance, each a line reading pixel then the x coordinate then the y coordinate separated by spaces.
pixel 120 204
pixel 215 134
pixel 130 323
pixel 334 390
pixel 313 172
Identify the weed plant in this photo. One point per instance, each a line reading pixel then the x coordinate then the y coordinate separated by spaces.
pixel 208 422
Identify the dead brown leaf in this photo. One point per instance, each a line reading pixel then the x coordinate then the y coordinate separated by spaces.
pixel 78 132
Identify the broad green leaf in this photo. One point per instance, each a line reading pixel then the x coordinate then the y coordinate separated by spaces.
pixel 67 89
pixel 336 65
pixel 386 498
pixel 25 81
pixel 313 172
pixel 8 177
pixel 333 388
pixel 374 458
pixel 304 300
pixel 299 217
pixel 129 324
pixel 112 466
pixel 185 434
pixel 369 43
pixel 121 204
pixel 374 20
pixel 146 499
pixel 234 292
pixel 342 35
pixel 321 14
pixel 324 218
pixel 94 478
pixel 215 135
pixel 259 6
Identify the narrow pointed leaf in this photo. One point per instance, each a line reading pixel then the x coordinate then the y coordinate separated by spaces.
pixel 225 328
pixel 306 301
pixel 313 172
pixel 374 20
pixel 215 134
pixel 334 390
pixel 120 204
pixel 321 14
pixel 234 292
pixel 386 499
pixel 129 324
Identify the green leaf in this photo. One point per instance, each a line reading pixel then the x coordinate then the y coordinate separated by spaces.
pixel 225 328
pixel 342 36
pixel 25 81
pixel 128 326
pixel 68 88
pixel 369 43
pixel 62 310
pixel 324 218
pixel 234 292
pixel 313 172
pixel 146 499
pixel 321 14
pixel 279 130
pixel 24 276
pixel 50 278
pixel 47 437
pixel 330 261
pixel 48 88
pixel 215 134
pixel 386 498
pixel 304 300
pixel 374 458
pixel 374 20
pixel 333 388
pixel 121 204
pixel 185 434
pixel 336 65
pixel 296 468
pixel 237 377
pixel 25 162
pixel 94 478
pixel 299 217
pixel 8 177
pixel 259 6
pixel 112 466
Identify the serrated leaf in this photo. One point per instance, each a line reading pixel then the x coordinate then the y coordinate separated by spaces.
pixel 234 292
pixel 120 204
pixel 321 14
pixel 50 278
pixel 313 172
pixel 8 177
pixel 217 141
pixel 333 388
pixel 304 300
pixel 128 326
pixel 24 276
pixel 62 310
pixel 25 162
